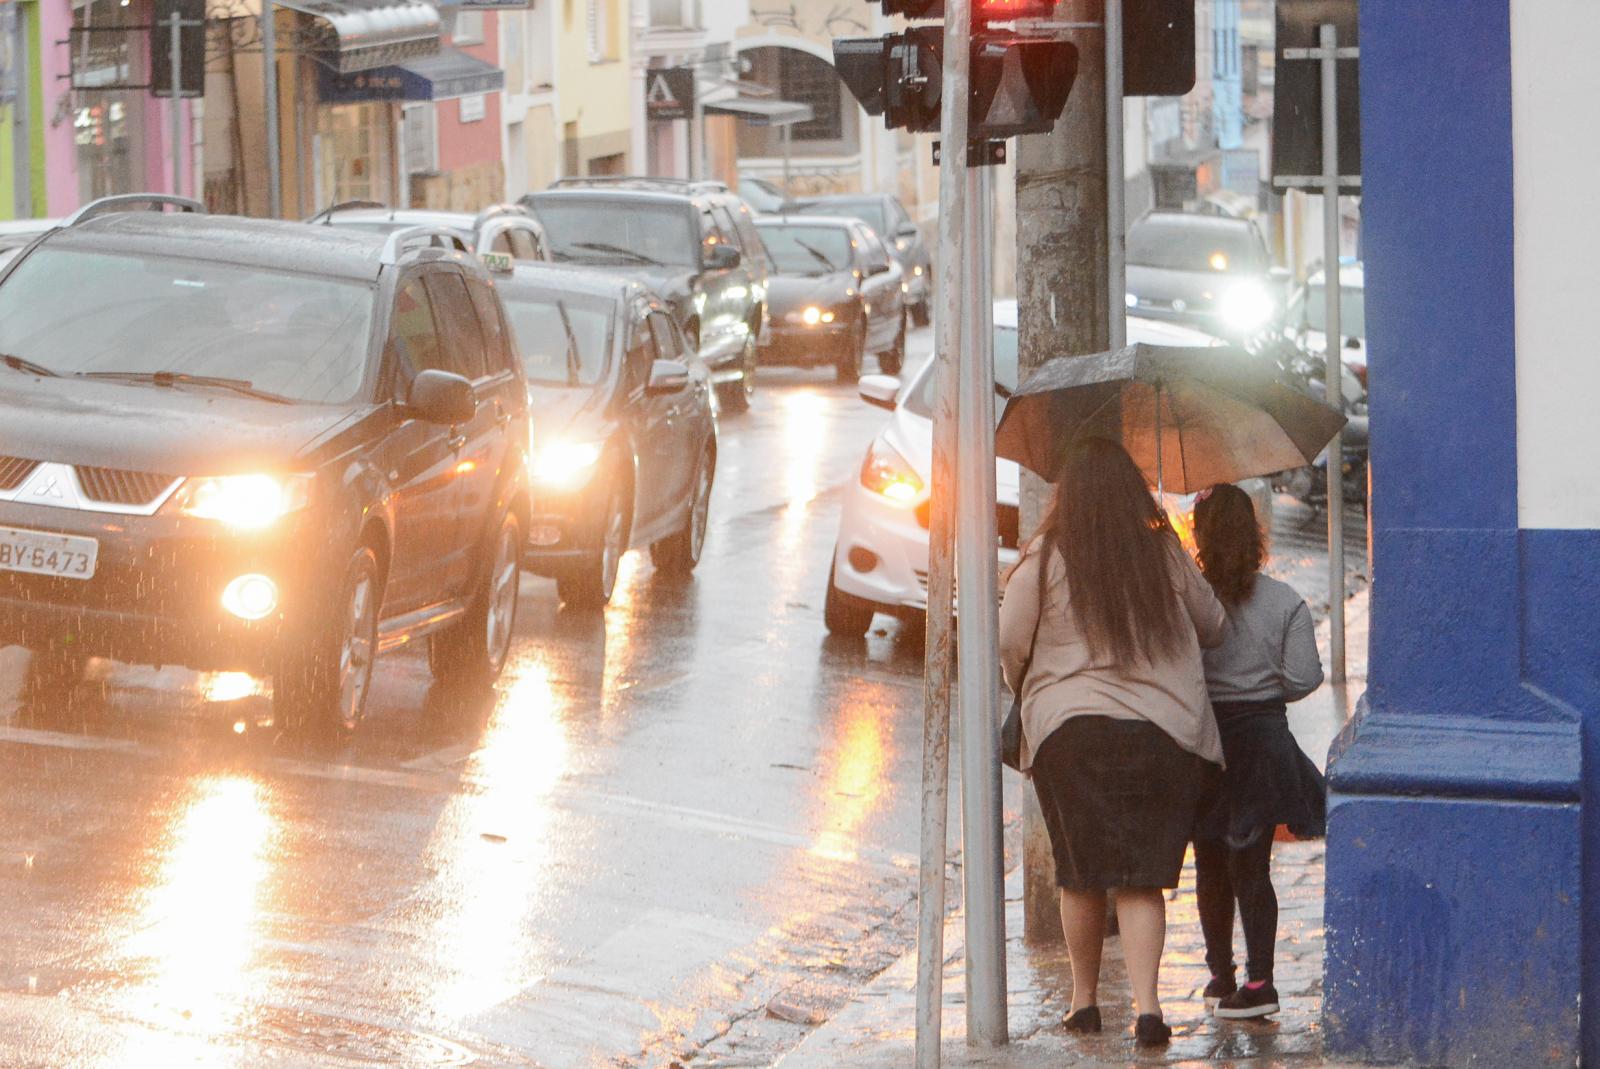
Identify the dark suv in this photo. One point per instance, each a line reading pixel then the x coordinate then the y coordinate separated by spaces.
pixel 694 243
pixel 239 444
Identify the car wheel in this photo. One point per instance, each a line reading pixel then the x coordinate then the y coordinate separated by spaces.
pixel 475 647
pixel 892 360
pixel 736 396
pixel 54 671
pixel 852 354
pixel 845 614
pixel 921 314
pixel 590 584
pixel 326 683
pixel 677 554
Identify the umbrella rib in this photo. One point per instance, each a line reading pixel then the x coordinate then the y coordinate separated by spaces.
pixel 1114 395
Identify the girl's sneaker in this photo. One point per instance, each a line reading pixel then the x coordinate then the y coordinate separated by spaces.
pixel 1218 989
pixel 1251 1000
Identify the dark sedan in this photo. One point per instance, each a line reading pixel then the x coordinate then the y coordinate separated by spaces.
pixel 1204 271
pixel 624 433
pixel 834 296
pixel 884 213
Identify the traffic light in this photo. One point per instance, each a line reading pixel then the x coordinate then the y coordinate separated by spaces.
pixel 1157 48
pixel 1019 83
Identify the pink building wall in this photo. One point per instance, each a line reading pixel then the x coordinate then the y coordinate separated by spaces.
pixel 466 144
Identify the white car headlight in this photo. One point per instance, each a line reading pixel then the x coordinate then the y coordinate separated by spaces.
pixel 564 464
pixel 249 502
pixel 887 473
pixel 1246 308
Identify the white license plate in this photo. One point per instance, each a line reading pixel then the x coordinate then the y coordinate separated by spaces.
pixel 38 553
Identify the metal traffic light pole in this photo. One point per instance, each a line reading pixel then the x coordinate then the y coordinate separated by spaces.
pixel 1333 376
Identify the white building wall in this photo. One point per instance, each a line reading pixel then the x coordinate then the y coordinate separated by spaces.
pixel 1555 156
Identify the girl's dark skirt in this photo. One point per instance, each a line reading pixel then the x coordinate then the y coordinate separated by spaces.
pixel 1120 800
pixel 1269 779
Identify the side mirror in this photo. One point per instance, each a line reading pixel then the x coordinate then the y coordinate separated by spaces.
pixel 880 268
pixel 441 397
pixel 907 230
pixel 879 390
pixel 722 258
pixel 667 376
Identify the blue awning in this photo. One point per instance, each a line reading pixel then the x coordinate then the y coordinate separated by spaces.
pixel 446 75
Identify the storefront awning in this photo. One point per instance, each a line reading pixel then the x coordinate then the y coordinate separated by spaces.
pixel 360 35
pixel 446 75
pixel 760 111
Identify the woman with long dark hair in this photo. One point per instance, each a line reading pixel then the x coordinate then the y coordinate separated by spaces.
pixel 1267 658
pixel 1101 628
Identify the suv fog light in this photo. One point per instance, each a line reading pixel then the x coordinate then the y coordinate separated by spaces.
pixel 251 597
pixel 862 559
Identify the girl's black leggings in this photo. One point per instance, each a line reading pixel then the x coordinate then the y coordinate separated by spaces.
pixel 1223 875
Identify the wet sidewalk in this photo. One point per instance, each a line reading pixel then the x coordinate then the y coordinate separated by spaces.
pixel 877 1029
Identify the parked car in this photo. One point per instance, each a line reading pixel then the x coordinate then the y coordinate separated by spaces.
pixel 880 561
pixel 1206 271
pixel 506 229
pixel 884 213
pixel 693 243
pixel 1308 309
pixel 763 196
pixel 834 295
pixel 242 444
pixel 624 430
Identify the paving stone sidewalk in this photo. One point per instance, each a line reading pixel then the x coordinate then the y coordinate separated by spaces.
pixel 877 1029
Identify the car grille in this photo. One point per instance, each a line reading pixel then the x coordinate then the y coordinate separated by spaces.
pixel 13 470
pixel 1008 520
pixel 113 486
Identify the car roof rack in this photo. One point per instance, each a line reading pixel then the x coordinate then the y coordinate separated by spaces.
pixel 495 211
pixel 675 185
pixel 395 245
pixel 127 201
pixel 325 216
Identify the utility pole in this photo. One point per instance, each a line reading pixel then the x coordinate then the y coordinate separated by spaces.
pixel 1063 306
pixel 269 88
pixel 175 26
pixel 1334 374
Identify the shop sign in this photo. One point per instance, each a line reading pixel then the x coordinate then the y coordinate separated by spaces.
pixel 669 93
pixel 472 108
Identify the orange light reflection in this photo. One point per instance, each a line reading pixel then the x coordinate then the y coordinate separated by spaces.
pixel 853 774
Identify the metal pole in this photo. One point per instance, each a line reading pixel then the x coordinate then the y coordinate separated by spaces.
pixel 21 113
pixel 949 301
pixel 175 68
pixel 1116 183
pixel 269 90
pixel 1335 345
pixel 788 149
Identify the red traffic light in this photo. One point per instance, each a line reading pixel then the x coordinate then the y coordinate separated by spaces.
pixel 986 11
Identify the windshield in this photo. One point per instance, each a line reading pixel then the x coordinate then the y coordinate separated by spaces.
pixel 1352 311
pixel 542 336
pixel 1179 245
pixel 806 250
pixel 602 230
pixel 867 210
pixel 301 337
pixel 921 399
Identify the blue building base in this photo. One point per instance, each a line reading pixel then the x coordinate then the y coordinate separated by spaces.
pixel 1454 905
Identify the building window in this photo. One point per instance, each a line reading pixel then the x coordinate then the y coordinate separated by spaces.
pixel 805 79
pixel 598 15
pixel 108 125
pixel 468 29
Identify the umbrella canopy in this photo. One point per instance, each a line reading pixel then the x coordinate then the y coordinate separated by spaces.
pixel 1190 418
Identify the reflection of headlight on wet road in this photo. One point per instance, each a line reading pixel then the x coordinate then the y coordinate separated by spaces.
pixel 1246 308
pixel 565 464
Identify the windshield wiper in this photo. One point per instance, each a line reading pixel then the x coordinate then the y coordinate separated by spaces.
pixel 817 255
pixel 18 363
pixel 179 378
pixel 572 345
pixel 616 250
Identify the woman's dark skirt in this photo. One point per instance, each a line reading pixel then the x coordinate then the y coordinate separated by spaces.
pixel 1120 800
pixel 1269 780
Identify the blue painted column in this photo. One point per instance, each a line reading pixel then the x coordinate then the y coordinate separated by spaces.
pixel 1459 909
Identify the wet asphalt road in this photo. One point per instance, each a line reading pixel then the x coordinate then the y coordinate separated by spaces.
pixel 689 821
pixel 660 821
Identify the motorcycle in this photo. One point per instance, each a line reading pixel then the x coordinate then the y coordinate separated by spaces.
pixel 1308 373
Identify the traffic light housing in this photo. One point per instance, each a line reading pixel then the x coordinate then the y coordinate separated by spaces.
pixel 1157 48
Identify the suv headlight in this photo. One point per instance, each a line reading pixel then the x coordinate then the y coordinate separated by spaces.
pixel 1246 307
pixel 886 473
pixel 248 502
pixel 565 465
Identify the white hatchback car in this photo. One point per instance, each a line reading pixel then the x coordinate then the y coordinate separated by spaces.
pixel 880 562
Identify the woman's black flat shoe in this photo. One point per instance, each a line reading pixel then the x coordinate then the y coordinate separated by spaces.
pixel 1084 1020
pixel 1151 1031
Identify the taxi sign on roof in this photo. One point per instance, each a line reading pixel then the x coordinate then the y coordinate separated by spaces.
pixel 500 262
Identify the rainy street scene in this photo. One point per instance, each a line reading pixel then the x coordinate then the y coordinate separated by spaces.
pixel 637 534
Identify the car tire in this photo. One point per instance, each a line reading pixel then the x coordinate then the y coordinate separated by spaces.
pixel 736 395
pixel 893 359
pixel 474 648
pixel 325 684
pixel 590 583
pixel 852 355
pixel 844 614
pixel 921 314
pixel 677 554
pixel 54 671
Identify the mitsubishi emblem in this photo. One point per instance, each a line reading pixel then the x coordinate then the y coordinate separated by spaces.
pixel 49 488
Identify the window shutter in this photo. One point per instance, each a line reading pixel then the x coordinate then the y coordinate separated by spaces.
pixel 592 12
